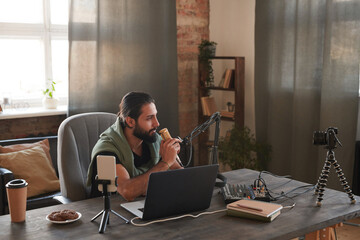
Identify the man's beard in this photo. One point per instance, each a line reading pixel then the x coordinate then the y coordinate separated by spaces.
pixel 143 135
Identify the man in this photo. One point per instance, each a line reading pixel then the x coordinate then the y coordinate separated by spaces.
pixel 138 149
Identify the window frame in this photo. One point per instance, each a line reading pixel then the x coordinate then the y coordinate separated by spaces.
pixel 45 32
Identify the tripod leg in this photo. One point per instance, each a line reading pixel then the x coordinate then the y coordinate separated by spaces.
pixel 104 221
pixel 321 184
pixel 126 221
pixel 343 181
pixel 97 215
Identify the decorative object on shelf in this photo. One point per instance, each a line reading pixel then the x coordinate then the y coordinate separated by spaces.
pixel 6 103
pixel 50 101
pixel 230 106
pixel 207 50
pixel 239 149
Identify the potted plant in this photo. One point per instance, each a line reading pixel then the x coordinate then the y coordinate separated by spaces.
pixel 239 149
pixel 207 50
pixel 49 100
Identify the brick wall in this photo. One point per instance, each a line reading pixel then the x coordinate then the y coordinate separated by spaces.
pixel 192 26
pixel 28 127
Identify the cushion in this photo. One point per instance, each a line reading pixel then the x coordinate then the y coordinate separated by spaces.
pixel 33 166
pixel 17 147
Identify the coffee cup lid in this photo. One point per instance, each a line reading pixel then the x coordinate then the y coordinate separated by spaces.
pixel 16 183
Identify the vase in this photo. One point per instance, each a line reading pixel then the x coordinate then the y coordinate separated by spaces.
pixel 50 103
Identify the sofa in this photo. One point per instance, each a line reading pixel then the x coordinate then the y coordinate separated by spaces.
pixel 42 200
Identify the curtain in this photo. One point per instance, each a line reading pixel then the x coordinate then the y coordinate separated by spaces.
pixel 306 80
pixel 117 46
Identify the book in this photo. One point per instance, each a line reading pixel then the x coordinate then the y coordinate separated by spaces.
pixel 221 84
pixel 232 79
pixel 203 106
pixel 254 209
pixel 227 114
pixel 227 78
pixel 210 101
pixel 208 106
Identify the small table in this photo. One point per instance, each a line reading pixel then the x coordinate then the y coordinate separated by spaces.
pixel 304 218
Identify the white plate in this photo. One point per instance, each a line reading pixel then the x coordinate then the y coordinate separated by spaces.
pixel 64 222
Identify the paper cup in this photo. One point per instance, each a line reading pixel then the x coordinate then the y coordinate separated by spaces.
pixel 17 194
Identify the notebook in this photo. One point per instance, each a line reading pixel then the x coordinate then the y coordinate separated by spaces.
pixel 176 192
pixel 254 209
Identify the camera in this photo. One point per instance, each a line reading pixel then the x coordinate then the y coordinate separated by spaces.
pixel 327 137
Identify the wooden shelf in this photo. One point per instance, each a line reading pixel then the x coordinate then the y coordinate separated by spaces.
pixel 219 88
pixel 239 90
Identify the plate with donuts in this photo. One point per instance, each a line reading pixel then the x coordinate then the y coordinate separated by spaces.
pixel 63 216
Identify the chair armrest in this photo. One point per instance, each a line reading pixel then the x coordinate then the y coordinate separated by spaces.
pixel 5 176
pixel 62 199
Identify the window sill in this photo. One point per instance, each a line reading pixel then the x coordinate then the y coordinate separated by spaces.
pixel 32 112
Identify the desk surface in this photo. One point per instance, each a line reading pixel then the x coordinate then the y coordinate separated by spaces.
pixel 305 217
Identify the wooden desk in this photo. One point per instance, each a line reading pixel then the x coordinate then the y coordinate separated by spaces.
pixel 304 218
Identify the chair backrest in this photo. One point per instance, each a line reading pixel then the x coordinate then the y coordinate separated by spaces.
pixel 77 135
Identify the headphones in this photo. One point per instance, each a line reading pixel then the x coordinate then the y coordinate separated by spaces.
pixel 222 182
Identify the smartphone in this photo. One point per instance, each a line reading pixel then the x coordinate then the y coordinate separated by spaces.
pixel 106 170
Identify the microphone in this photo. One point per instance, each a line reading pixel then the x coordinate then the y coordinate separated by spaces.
pixel 165 135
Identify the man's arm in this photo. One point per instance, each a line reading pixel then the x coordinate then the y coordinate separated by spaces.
pixel 130 188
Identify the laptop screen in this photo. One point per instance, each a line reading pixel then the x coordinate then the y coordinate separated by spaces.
pixel 179 191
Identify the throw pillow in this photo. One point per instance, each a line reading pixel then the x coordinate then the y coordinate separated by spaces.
pixel 17 147
pixel 33 166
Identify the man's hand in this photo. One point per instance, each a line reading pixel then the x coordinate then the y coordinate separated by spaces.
pixel 169 149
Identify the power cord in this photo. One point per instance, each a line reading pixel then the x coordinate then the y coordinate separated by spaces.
pixel 173 218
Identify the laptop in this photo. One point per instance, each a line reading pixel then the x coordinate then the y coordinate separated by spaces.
pixel 176 192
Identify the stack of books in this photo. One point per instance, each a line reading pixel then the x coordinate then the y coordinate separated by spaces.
pixel 258 210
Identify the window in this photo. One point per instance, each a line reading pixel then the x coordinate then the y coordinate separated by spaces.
pixel 33 50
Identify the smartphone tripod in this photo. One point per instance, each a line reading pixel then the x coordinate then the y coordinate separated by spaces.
pixel 329 137
pixel 106 211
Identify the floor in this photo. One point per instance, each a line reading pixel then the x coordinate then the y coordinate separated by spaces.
pixel 347 232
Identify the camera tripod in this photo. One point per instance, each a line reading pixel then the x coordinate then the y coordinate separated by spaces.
pixel 107 210
pixel 331 140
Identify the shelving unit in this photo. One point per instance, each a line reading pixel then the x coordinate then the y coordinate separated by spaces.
pixel 239 90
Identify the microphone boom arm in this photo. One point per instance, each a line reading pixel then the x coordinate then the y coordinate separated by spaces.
pixel 215 118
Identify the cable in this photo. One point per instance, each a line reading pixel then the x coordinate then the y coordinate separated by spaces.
pixel 290 206
pixel 173 218
pixel 266 172
pixel 260 185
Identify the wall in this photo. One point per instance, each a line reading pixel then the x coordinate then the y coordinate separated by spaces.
pixel 30 127
pixel 232 26
pixel 192 26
